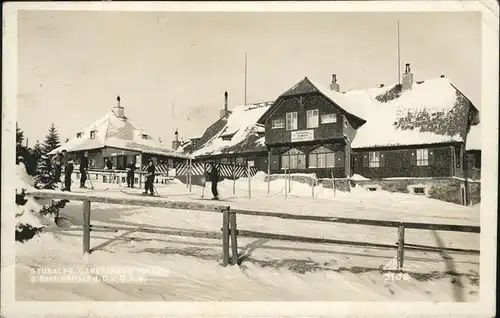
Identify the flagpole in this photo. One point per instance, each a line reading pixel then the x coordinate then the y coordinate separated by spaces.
pixel 399 59
pixel 245 79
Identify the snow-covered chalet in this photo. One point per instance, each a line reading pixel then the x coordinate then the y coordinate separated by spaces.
pixel 408 137
pixel 114 136
pixel 234 138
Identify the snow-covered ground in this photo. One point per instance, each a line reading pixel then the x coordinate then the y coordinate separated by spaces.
pixel 139 266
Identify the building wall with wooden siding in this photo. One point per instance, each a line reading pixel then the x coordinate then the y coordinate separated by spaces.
pixel 294 104
pixel 402 162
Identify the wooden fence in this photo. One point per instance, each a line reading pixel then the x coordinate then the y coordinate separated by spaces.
pixel 230 231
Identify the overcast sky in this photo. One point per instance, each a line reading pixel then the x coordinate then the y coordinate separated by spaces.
pixel 171 69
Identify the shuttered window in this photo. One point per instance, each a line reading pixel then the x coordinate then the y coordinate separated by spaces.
pixel 422 157
pixel 374 159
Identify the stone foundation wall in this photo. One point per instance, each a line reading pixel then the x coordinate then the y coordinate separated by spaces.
pixel 340 184
pixel 445 189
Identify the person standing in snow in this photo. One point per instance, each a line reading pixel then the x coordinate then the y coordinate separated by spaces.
pixel 57 164
pixel 214 179
pixel 150 177
pixel 84 167
pixel 68 170
pixel 130 174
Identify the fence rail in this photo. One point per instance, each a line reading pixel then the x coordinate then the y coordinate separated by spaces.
pixel 230 232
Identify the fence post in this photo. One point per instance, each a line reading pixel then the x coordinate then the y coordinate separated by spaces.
pixel 249 182
pixel 225 237
pixel 268 172
pixel 86 226
pixel 286 190
pixel 190 173
pixel 333 184
pixel 289 181
pixel 234 235
pixel 313 184
pixel 234 177
pixel 401 245
pixel 187 173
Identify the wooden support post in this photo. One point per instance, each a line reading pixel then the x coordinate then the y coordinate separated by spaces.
pixel 312 186
pixel 234 240
pixel 225 237
pixel 86 226
pixel 401 245
pixel 187 173
pixel 234 176
pixel 286 190
pixel 289 181
pixel 249 183
pixel 140 170
pixel 333 184
pixel 190 173
pixel 268 172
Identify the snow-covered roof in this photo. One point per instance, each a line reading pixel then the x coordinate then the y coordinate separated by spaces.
pixel 308 85
pixel 433 111
pixel 241 123
pixel 474 138
pixel 113 131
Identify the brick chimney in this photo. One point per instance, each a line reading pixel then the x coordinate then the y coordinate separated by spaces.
pixel 407 78
pixel 119 110
pixel 334 86
pixel 225 111
pixel 176 143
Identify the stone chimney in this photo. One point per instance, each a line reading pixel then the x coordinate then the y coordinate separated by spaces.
pixel 119 111
pixel 334 86
pixel 176 143
pixel 224 112
pixel 407 78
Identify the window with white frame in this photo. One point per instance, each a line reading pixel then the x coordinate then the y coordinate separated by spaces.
pixel 293 159
pixel 312 118
pixel 374 159
pixel 144 136
pixel 291 121
pixel 79 135
pixel 328 118
pixel 278 123
pixel 422 157
pixel 321 157
pixel 92 134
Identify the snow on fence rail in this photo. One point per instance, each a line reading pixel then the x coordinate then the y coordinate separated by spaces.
pixel 230 232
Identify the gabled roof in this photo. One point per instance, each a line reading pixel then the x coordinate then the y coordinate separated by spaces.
pixel 306 86
pixel 434 111
pixel 241 123
pixel 113 131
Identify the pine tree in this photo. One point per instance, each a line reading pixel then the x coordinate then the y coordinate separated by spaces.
pixel 45 178
pixel 51 140
pixel 37 151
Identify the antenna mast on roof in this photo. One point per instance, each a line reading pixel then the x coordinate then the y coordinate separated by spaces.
pixel 399 59
pixel 245 79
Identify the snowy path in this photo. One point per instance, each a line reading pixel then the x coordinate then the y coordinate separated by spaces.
pixel 273 270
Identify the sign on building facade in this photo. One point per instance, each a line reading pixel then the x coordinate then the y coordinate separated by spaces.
pixel 302 135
